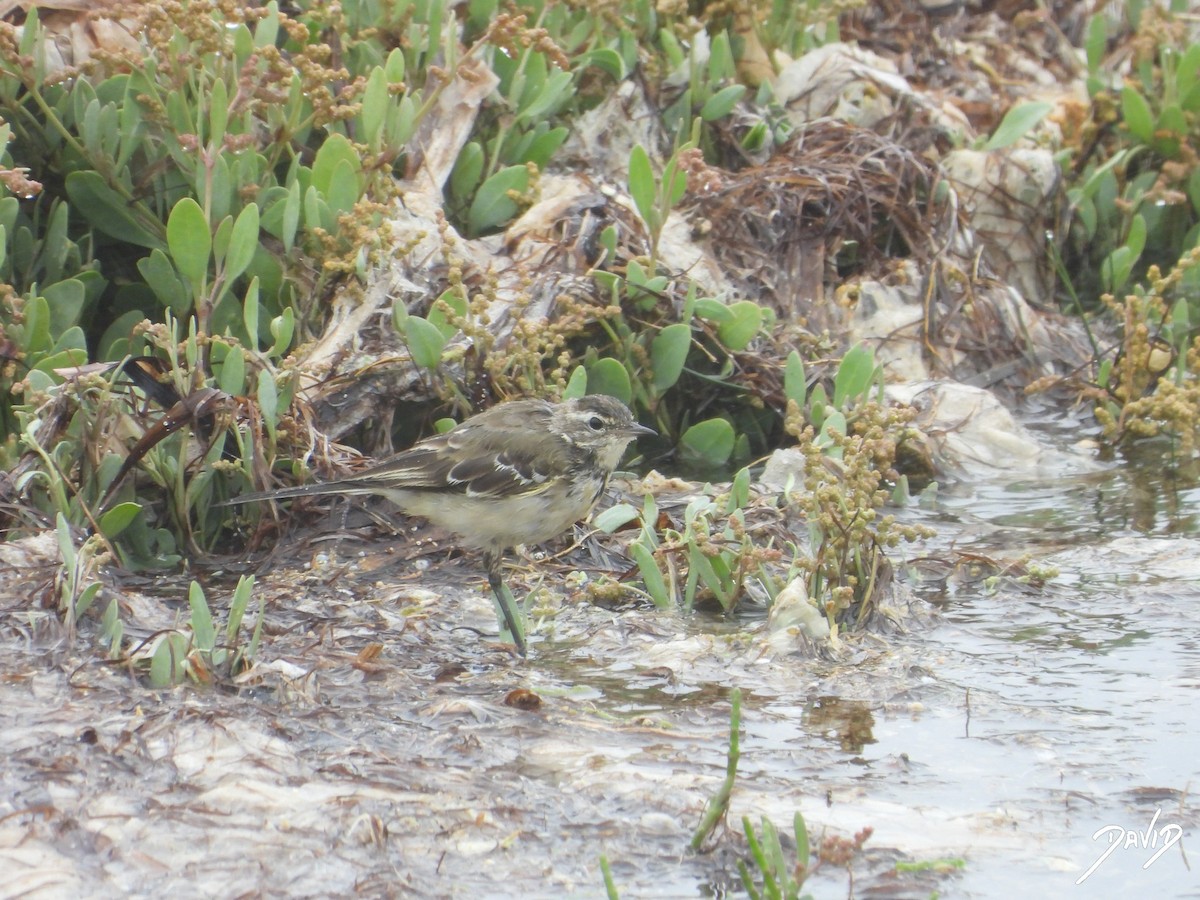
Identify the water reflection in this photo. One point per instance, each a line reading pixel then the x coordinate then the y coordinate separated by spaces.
pixel 849 723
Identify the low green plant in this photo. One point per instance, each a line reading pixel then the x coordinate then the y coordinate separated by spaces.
pixel 778 877
pixel 1135 191
pixel 843 494
pixel 717 807
pixel 226 184
pixel 659 360
pixel 1152 386
pixel 206 652
pixel 849 447
pixel 49 285
pixel 713 547
pixel 77 591
pixel 711 90
pixel 848 444
pixel 212 114
pixel 610 886
pixel 654 198
pixel 495 177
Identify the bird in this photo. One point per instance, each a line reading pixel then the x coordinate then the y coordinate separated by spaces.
pixel 519 472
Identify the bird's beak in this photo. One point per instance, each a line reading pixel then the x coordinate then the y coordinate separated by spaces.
pixel 637 429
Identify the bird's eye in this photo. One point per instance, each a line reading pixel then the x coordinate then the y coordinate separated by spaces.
pixel 595 423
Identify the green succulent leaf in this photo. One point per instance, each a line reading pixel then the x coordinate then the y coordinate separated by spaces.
pixel 394 66
pixel 1017 122
pixel 65 302
pixel 203 630
pixel 110 212
pixel 221 238
pixel 467 171
pixel 316 211
pixel 642 187
pixel 756 138
pixel 36 333
pixel 1137 115
pixel 544 146
pixel 165 663
pixel 283 326
pixel 1172 127
pixel 1187 72
pixel 1117 267
pixel 232 375
pixel 576 384
pixel 493 205
pixel 237 606
pixel 743 326
pixel 713 310
pixel 609 376
pixel 553 93
pixel 855 374
pixel 721 64
pixel 1096 42
pixel 425 341
pixel 652 576
pixel 668 353
pixel 160 275
pixel 268 401
pixel 243 242
pixel 706 567
pixel 617 516
pixel 374 108
pixel 344 189
pixel 795 382
pixel 608 61
pixel 835 423
pixel 117 519
pixel 709 442
pixel 721 104
pixel 455 308
pixel 818 406
pixel 190 241
pixel 218 111
pixel 336 151
pixel 1135 239
pixel 250 311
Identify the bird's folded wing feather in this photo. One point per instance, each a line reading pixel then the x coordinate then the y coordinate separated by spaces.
pixel 477 471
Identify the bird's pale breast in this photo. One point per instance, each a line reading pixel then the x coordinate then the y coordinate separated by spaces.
pixel 498 522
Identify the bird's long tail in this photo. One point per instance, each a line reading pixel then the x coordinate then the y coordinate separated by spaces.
pixel 313 489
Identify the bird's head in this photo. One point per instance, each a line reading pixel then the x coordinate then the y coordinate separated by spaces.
pixel 600 424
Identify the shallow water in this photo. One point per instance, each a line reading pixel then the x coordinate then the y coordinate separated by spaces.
pixel 999 733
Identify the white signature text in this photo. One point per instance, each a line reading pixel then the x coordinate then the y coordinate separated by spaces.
pixel 1131 839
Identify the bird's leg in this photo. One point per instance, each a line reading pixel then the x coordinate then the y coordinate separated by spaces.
pixel 505 600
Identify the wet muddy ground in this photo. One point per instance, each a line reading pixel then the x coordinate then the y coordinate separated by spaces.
pixel 1001 741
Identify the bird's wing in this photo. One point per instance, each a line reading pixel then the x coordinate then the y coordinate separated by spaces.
pixel 500 452
pixel 509 473
pixel 473 471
